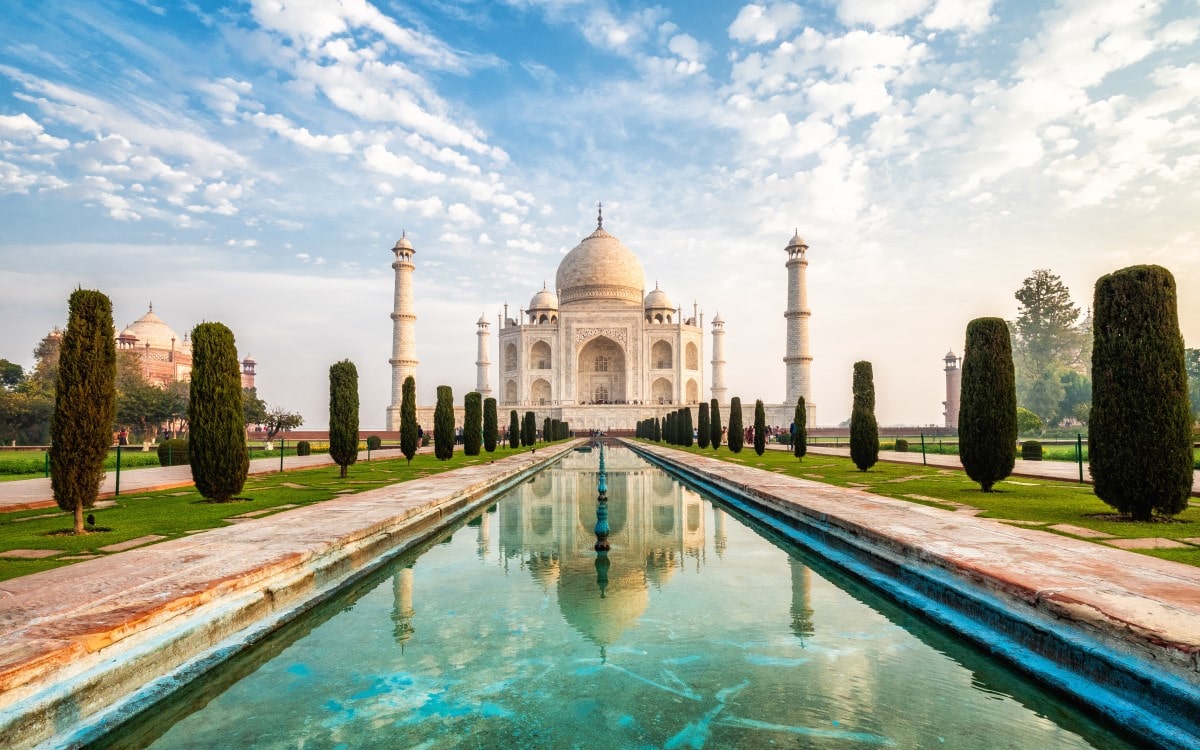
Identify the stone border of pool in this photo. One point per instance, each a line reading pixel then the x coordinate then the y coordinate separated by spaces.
pixel 86 646
pixel 1115 631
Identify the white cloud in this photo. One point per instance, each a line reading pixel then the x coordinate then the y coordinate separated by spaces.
pixel 463 215
pixel 426 207
pixel 761 24
pixel 881 14
pixel 378 158
pixel 972 16
pixel 280 125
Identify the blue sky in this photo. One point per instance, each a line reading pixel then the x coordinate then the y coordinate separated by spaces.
pixel 253 162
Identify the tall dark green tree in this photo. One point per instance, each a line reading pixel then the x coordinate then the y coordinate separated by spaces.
pixel 343 414
pixel 656 425
pixel 408 418
pixel 1140 433
pixel 688 428
pixel 84 403
pixel 216 426
pixel 702 426
pixel 514 429
pixel 760 427
pixel 472 423
pixel 737 433
pixel 443 423
pixel 547 435
pixel 987 415
pixel 491 425
pixel 714 424
pixel 529 429
pixel 864 430
pixel 800 438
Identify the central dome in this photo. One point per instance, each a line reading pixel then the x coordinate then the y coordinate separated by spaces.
pixel 600 269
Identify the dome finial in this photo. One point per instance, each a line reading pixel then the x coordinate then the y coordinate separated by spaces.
pixel 151 307
pixel 600 215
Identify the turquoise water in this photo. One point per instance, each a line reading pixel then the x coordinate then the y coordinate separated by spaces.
pixel 696 631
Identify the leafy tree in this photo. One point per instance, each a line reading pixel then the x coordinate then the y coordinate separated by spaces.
pixel 800 439
pixel 1044 395
pixel 987 415
pixel 1029 423
pixel 737 436
pixel 443 424
pixel 714 417
pixel 254 409
pixel 1046 333
pixel 760 427
pixel 26 409
pixel 175 404
pixel 84 403
pixel 408 419
pixel 1083 412
pixel 491 425
pixel 514 430
pixel 142 405
pixel 216 421
pixel 864 430
pixel 281 420
pixel 1192 362
pixel 1140 433
pixel 703 428
pixel 1077 389
pixel 472 423
pixel 343 414
pixel 11 374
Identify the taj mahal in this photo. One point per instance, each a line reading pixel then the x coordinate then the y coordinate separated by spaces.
pixel 600 351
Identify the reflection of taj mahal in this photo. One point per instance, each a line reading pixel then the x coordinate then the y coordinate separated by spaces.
pixel 598 351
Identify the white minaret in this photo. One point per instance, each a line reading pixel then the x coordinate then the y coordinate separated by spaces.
pixel 483 366
pixel 404 343
pixel 718 360
pixel 798 359
pixel 953 387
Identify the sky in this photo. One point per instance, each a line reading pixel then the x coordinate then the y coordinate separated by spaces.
pixel 253 163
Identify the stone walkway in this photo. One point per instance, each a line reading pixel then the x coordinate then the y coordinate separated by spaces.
pixel 77 639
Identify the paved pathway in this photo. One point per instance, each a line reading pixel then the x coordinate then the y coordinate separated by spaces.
pixel 1064 470
pixel 23 494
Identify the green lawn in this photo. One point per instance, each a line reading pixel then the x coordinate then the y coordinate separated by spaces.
pixel 1042 501
pixel 16 465
pixel 173 513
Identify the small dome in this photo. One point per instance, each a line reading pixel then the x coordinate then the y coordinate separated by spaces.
pixel 482 320
pixel 403 243
pixel 249 360
pixel 797 241
pixel 152 330
pixel 717 321
pixel 658 300
pixel 600 268
pixel 950 355
pixel 543 300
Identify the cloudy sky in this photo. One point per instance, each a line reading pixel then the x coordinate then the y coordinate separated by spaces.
pixel 253 162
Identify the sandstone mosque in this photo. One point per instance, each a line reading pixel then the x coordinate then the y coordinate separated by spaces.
pixel 600 351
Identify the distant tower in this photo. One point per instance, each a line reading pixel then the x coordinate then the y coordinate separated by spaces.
pixel 248 365
pixel 718 360
pixel 953 386
pixel 404 351
pixel 483 366
pixel 798 359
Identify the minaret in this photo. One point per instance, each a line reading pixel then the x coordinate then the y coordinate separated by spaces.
pixel 953 386
pixel 718 360
pixel 483 366
pixel 404 351
pixel 798 359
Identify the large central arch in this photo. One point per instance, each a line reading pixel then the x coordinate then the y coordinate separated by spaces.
pixel 600 372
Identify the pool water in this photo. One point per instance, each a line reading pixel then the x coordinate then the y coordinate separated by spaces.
pixel 695 630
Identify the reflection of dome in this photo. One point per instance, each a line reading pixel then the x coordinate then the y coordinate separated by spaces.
pixel 150 329
pixel 600 268
pixel 543 300
pixel 602 620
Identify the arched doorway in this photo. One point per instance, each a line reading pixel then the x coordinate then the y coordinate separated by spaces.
pixel 660 391
pixel 600 372
pixel 539 392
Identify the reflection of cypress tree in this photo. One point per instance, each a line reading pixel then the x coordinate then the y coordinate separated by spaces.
pixel 402 606
pixel 802 612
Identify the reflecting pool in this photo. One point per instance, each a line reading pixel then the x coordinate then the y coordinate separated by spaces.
pixel 695 630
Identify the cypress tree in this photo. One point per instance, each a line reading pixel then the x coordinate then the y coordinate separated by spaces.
pixel 408 419
pixel 514 430
pixel 529 429
pixel 547 435
pixel 491 425
pixel 657 435
pixel 987 414
pixel 669 431
pixel 688 439
pixel 800 439
pixel 343 414
pixel 737 437
pixel 216 423
pixel 85 403
pixel 472 423
pixel 714 420
pixel 864 430
pixel 443 423
pixel 760 427
pixel 1140 431
pixel 702 426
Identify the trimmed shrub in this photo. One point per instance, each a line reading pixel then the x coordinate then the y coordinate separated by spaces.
pixel 864 430
pixel 703 429
pixel 987 416
pixel 491 425
pixel 737 437
pixel 173 452
pixel 714 423
pixel 547 435
pixel 85 402
pixel 374 442
pixel 687 439
pixel 529 429
pixel 443 424
pixel 1139 435
pixel 1031 450
pixel 760 427
pixel 901 445
pixel 343 414
pixel 408 419
pixel 514 430
pixel 472 423
pixel 303 448
pixel 656 436
pixel 800 439
pixel 216 422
